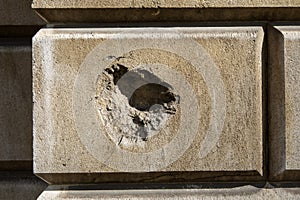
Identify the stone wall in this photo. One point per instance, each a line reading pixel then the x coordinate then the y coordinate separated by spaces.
pixel 18 23
pixel 149 99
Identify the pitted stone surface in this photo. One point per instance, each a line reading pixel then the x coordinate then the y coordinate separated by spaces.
pixel 147 100
pixel 284 101
pixel 133 107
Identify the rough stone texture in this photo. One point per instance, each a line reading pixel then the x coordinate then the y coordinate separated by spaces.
pixel 18 12
pixel 162 3
pixel 90 11
pixel 16 107
pixel 97 107
pixel 284 102
pixel 16 186
pixel 245 192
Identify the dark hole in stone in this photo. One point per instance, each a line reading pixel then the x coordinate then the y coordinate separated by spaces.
pixel 117 71
pixel 151 97
pixel 150 94
pixel 138 121
pixel 142 88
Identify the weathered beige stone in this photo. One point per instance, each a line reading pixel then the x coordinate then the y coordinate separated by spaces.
pixel 20 186
pixel 147 100
pixel 15 107
pixel 285 102
pixel 245 192
pixel 162 4
pixel 18 12
pixel 90 11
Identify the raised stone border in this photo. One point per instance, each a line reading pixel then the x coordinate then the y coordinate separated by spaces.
pixel 161 10
pixel 284 90
pixel 242 193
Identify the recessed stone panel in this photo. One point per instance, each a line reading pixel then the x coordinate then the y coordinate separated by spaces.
pixel 15 107
pixel 18 12
pixel 140 100
pixel 285 102
pixel 14 186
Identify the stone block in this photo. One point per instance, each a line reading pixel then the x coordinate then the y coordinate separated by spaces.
pixel 163 4
pixel 18 12
pixel 15 186
pixel 284 101
pixel 15 107
pixel 131 101
pixel 162 10
pixel 242 193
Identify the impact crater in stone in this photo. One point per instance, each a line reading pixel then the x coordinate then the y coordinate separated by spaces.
pixel 134 105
